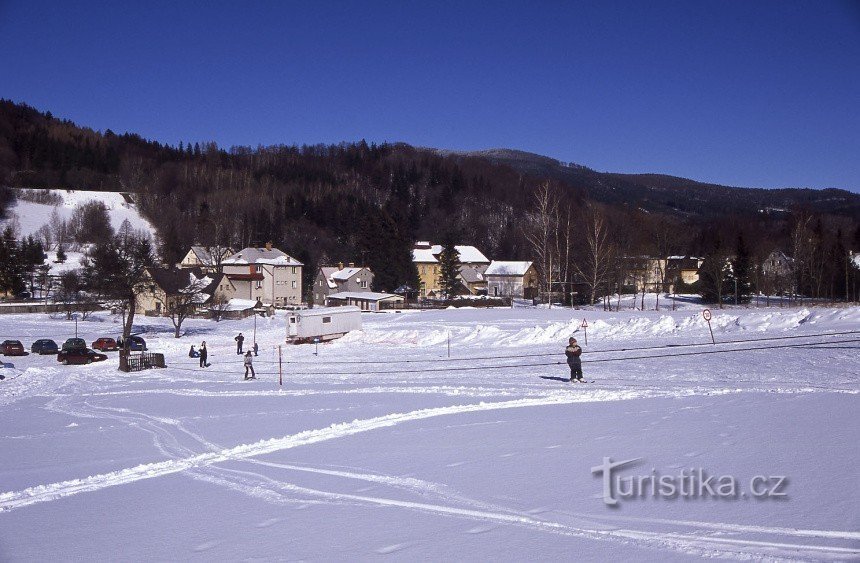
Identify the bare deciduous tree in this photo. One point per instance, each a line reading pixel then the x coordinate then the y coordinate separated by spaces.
pixel 594 268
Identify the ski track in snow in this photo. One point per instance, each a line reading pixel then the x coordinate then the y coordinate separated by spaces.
pixel 75 394
pixel 202 467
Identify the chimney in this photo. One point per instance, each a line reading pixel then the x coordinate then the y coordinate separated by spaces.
pixel 352 264
pixel 269 245
pixel 340 265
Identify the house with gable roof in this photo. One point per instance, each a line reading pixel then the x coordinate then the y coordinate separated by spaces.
pixel 338 279
pixel 507 278
pixel 426 259
pixel 268 274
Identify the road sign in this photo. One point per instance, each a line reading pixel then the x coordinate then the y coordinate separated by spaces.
pixel 584 323
pixel 707 315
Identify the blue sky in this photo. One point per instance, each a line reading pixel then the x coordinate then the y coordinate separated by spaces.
pixel 763 94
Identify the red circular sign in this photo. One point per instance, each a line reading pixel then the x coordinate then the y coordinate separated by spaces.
pixel 707 314
pixel 584 323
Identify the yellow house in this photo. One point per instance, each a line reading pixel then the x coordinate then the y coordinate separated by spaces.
pixel 426 259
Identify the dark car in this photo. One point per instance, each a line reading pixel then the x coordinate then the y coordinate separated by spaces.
pixel 44 346
pixel 105 345
pixel 136 344
pixel 75 344
pixel 79 356
pixel 12 348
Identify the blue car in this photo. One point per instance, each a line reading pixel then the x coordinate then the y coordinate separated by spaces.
pixel 44 346
pixel 135 343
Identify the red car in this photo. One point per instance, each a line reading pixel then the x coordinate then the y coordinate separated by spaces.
pixel 79 356
pixel 12 348
pixel 105 345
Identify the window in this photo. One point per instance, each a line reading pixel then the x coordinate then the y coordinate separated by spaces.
pixel 294 269
pixel 294 285
pixel 363 284
pixel 259 284
pixel 258 269
pixel 326 319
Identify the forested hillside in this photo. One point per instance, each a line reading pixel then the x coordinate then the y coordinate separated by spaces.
pixel 368 203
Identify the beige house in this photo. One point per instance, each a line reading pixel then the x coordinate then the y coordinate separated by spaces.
pixel 163 289
pixel 336 279
pixel 267 274
pixel 426 259
pixel 209 258
pixel 511 279
pixel 473 279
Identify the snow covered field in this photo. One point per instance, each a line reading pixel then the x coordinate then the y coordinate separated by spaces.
pixel 384 447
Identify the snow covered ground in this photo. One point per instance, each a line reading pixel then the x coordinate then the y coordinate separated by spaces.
pixel 383 446
pixel 30 216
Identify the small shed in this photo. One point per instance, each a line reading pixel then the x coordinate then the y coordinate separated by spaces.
pixel 364 300
pixel 323 323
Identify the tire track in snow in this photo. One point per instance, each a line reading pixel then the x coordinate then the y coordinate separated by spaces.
pixel 43 493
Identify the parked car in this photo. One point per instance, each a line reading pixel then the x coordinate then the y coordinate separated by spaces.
pixel 12 348
pixel 75 344
pixel 44 346
pixel 136 344
pixel 80 356
pixel 105 345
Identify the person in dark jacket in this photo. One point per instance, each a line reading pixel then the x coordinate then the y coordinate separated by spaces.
pixel 256 348
pixel 239 340
pixel 249 366
pixel 192 353
pixel 573 353
pixel 203 355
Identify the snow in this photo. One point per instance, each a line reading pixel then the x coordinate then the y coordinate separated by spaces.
pixel 507 268
pixel 468 254
pixel 387 444
pixel 270 257
pixel 32 216
pixel 366 295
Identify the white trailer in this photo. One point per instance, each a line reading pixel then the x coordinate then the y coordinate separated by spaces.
pixel 322 323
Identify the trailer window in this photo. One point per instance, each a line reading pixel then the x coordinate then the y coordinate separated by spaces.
pixel 326 319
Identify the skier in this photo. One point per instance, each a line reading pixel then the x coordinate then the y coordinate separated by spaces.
pixel 256 348
pixel 203 354
pixel 249 365
pixel 192 353
pixel 573 352
pixel 239 340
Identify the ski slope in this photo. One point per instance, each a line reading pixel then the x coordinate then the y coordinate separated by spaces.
pixel 387 445
pixel 31 216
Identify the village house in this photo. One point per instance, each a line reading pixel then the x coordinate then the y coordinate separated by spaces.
pixel 267 274
pixel 473 279
pixel 207 258
pixel 163 289
pixel 426 259
pixel 336 279
pixel 682 270
pixel 511 279
pixel 364 300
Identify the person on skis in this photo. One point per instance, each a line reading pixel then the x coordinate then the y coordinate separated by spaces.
pixel 573 353
pixel 239 340
pixel 203 355
pixel 249 366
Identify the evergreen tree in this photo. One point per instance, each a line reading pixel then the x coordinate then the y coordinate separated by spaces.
pixel 449 267
pixel 11 275
pixel 61 254
pixel 714 278
pixel 741 271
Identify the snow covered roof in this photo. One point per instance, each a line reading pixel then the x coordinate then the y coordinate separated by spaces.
pixel 473 274
pixel 365 295
pixel 856 259
pixel 507 268
pixel 269 256
pixel 204 256
pixel 333 274
pixel 429 254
